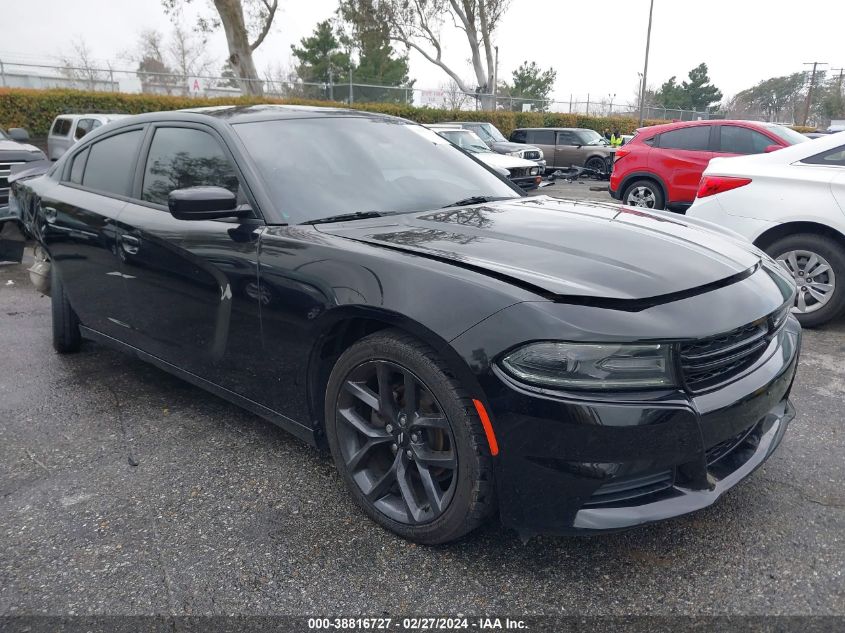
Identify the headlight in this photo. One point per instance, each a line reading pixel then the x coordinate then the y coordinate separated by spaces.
pixel 518 153
pixel 592 366
pixel 534 171
pixel 541 154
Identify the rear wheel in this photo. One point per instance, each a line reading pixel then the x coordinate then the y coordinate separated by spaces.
pixel 817 264
pixel 66 336
pixel 407 441
pixel 645 194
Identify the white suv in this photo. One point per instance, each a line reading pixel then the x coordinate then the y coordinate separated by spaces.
pixel 67 129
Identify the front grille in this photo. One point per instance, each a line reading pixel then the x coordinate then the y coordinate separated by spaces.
pixel 519 172
pixel 5 169
pixel 627 488
pixel 712 361
pixel 725 447
pixel 530 154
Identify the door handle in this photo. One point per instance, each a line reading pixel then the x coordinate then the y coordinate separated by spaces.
pixel 130 244
pixel 50 214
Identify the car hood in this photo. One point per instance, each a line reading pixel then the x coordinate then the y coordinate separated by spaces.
pixel 566 249
pixel 21 151
pixel 503 161
pixel 507 146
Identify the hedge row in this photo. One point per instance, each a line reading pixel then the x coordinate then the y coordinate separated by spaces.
pixel 36 109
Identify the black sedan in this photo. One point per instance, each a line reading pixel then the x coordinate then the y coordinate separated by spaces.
pixel 461 349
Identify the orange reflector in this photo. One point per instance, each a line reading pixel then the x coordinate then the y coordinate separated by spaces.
pixel 488 428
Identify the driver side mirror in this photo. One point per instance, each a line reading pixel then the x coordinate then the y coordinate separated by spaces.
pixel 772 148
pixel 203 203
pixel 18 134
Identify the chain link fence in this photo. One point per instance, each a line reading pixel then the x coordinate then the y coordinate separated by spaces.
pixel 14 74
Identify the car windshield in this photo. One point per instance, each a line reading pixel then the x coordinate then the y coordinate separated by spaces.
pixel 591 137
pixel 323 167
pixel 3 135
pixel 466 140
pixel 788 135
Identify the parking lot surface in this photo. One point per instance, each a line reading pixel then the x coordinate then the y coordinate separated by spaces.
pixel 124 490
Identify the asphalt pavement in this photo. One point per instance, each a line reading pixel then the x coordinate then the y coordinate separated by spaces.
pixel 124 490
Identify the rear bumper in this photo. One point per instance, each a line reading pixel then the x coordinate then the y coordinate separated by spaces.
pixel 572 466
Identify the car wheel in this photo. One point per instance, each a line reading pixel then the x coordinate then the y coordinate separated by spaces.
pixel 407 440
pixel 817 264
pixel 66 336
pixel 644 193
pixel 597 164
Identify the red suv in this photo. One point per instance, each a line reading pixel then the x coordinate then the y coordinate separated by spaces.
pixel 662 165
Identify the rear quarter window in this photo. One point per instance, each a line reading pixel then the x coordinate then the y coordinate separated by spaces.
pixel 834 158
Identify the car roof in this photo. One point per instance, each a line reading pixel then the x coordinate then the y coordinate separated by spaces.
pixel 676 125
pixel 270 112
pixel 556 129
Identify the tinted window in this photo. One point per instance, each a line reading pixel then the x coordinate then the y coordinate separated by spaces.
pixel 694 138
pixel 83 127
pixel 519 136
pixel 180 158
pixel 78 166
pixel 364 164
pixel 567 138
pixel 544 137
pixel 743 140
pixel 834 157
pixel 111 163
pixel 787 135
pixel 61 127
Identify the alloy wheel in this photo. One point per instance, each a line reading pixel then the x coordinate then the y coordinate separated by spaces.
pixel 396 442
pixel 641 197
pixel 814 277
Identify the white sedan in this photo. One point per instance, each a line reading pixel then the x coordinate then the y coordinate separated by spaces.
pixel 791 204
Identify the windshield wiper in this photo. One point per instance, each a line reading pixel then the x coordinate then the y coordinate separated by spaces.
pixel 345 217
pixel 475 200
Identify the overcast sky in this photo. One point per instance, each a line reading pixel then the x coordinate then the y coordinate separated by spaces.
pixel 597 47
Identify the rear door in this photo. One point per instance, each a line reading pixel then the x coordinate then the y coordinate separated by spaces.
pixel 545 140
pixel 59 139
pixel 682 157
pixel 192 284
pixel 79 228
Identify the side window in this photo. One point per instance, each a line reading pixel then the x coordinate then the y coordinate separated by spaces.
pixel 83 127
pixel 691 138
pixel 567 138
pixel 78 166
pixel 519 136
pixel 111 163
pixel 542 137
pixel 184 157
pixel 742 140
pixel 61 127
pixel 834 157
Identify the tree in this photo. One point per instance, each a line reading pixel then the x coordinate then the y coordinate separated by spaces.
pixel 80 66
pixel 240 27
pixel 454 98
pixel 530 84
pixel 321 58
pixel 417 24
pixel 701 94
pixel 775 98
pixel 167 66
pixel 696 94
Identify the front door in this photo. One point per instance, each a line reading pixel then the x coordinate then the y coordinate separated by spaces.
pixel 567 150
pixel 192 283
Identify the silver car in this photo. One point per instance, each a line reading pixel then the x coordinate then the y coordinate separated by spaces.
pixel 67 129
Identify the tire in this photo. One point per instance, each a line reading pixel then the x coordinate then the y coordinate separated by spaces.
pixel 464 494
pixel 824 297
pixel 649 193
pixel 66 336
pixel 597 163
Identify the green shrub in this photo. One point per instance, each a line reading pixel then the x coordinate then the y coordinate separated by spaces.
pixel 36 109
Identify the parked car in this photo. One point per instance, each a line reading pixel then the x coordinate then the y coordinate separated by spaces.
pixel 661 166
pixel 459 347
pixel 790 204
pixel 565 147
pixel 523 173
pixel 496 141
pixel 67 129
pixel 14 150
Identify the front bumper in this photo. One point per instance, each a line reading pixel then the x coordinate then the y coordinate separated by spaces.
pixel 569 465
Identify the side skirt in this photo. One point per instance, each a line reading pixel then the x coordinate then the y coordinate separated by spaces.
pixel 291 426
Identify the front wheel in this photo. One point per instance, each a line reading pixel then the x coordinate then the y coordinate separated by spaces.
pixel 817 264
pixel 645 194
pixel 597 164
pixel 407 440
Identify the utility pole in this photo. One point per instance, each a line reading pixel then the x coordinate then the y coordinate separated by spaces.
pixel 496 79
pixel 810 90
pixel 351 97
pixel 645 65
